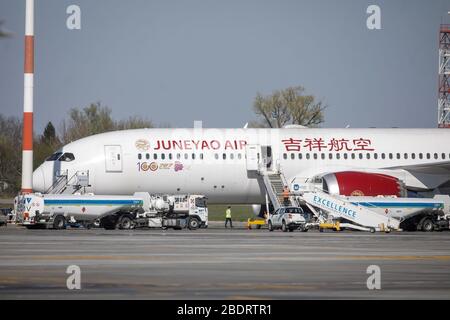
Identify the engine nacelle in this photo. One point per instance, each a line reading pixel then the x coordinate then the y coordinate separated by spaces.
pixel 260 210
pixel 354 183
pixel 256 208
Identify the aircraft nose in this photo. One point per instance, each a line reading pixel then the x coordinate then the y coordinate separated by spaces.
pixel 38 180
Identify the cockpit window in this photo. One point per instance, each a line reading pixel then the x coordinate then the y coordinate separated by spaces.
pixel 67 157
pixel 54 156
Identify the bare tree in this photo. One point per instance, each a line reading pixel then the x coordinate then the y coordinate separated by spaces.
pixel 288 106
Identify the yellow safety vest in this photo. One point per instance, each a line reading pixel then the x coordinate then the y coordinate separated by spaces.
pixel 228 213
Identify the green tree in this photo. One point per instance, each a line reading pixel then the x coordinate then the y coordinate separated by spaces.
pixel 88 121
pixel 10 154
pixel 288 106
pixel 96 119
pixel 45 145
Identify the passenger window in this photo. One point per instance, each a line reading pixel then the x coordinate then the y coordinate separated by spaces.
pixel 186 156
pixel 360 156
pixel 216 156
pixel 375 156
pixel 368 155
pixel 330 156
pixel 398 155
pixel 420 156
pixel 315 156
pixel 155 156
pixel 307 156
pixel 338 156
pixel 239 156
pixel 292 156
pixel 224 156
pixel 413 155
pixel 178 156
pixel 391 156
pixel 383 156
pixel 300 156
pixel 201 156
pixel 406 156
pixel 147 156
pixel 170 156
pixel 322 156
pixel 193 156
pixel 436 156
pixel 284 156
pixel 443 156
pixel 163 156
pixel 139 156
pixel 428 156
pixel 231 156
pixel 353 156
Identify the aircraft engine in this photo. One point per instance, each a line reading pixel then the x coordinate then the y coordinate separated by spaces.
pixel 353 183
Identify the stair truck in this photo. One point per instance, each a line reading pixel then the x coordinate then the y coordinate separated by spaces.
pixel 56 211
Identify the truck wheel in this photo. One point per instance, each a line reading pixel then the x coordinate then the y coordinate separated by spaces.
pixel 427 225
pixel 270 226
pixel 284 227
pixel 193 224
pixel 108 223
pixel 125 222
pixel 59 222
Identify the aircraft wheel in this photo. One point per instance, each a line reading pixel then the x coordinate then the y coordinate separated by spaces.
pixel 270 226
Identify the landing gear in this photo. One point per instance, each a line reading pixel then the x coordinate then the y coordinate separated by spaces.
pixel 270 226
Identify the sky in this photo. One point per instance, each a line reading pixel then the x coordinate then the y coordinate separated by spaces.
pixel 175 61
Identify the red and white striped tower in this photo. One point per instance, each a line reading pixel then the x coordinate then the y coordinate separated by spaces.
pixel 27 136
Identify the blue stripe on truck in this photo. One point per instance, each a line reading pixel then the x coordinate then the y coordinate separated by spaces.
pixel 90 202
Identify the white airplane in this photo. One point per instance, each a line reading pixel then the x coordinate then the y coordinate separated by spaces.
pixel 219 163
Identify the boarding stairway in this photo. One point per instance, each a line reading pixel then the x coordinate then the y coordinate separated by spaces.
pixel 65 185
pixel 326 207
pixel 274 183
pixel 338 207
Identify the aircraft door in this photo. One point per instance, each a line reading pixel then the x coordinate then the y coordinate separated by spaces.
pixel 267 159
pixel 113 158
pixel 253 154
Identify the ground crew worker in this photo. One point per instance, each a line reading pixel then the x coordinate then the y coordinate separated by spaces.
pixel 228 217
pixel 286 196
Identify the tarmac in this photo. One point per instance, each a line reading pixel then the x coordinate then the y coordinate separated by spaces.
pixel 218 263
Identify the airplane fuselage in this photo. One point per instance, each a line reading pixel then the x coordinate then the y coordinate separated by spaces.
pixel 214 161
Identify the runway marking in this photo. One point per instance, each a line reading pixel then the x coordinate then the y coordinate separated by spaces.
pixel 166 258
pixel 405 258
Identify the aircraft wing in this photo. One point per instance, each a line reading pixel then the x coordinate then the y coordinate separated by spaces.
pixel 439 168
